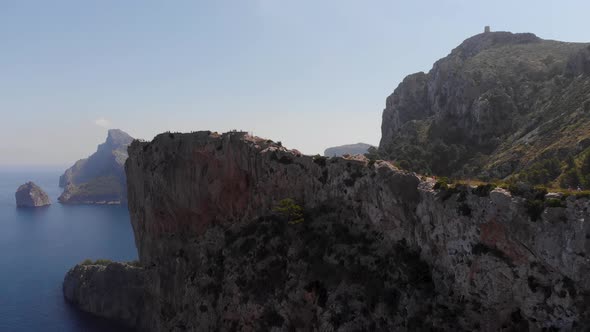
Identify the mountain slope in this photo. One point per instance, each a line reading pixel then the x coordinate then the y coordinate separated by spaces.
pixel 498 105
pixel 101 177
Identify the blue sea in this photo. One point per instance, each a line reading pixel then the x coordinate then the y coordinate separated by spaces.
pixel 38 246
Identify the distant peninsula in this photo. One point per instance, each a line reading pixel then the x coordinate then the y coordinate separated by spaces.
pixel 100 178
pixel 351 149
pixel 31 195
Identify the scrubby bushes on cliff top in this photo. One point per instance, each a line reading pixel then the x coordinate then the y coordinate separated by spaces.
pixel 320 160
pixel 99 261
pixel 535 201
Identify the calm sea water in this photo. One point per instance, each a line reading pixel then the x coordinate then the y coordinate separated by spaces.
pixel 38 246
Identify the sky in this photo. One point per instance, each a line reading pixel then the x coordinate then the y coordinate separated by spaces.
pixel 309 73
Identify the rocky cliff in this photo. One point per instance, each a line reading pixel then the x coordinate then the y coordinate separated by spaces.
pixel 100 178
pixel 497 105
pixel 351 149
pixel 31 195
pixel 376 248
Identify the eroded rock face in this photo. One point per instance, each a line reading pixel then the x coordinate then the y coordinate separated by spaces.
pixel 31 195
pixel 116 291
pixel 379 249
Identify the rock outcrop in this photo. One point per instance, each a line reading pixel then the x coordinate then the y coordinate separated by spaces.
pixel 99 179
pixel 350 149
pixel 115 290
pixel 378 249
pixel 498 104
pixel 31 195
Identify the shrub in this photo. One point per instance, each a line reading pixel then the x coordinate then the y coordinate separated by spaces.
pixel 442 184
pixel 585 168
pixel 289 210
pixel 541 172
pixel 102 261
pixel 570 179
pixel 404 164
pixel 582 194
pixel 534 208
pixel 99 261
pixel 554 202
pixel 320 160
pixel 484 190
pixel 285 160
pixel 539 192
pixel 516 190
pixel 373 153
pixel 525 190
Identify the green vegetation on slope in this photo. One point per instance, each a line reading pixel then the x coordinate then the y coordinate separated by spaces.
pixel 500 106
pixel 105 188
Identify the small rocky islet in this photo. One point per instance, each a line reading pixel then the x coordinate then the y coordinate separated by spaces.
pixel 30 195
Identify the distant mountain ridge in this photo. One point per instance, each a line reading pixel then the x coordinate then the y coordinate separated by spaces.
pixel 100 178
pixel 499 105
pixel 338 151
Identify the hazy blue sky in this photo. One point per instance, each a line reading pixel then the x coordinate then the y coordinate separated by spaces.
pixel 309 73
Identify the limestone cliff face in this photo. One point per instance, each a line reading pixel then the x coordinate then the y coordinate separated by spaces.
pixel 379 249
pixel 494 106
pixel 100 178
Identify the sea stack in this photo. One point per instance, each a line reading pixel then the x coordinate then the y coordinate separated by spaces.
pixel 31 195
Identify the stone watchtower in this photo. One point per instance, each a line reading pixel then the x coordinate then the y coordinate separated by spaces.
pixel 486 29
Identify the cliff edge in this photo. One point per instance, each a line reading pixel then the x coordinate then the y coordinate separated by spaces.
pixel 372 247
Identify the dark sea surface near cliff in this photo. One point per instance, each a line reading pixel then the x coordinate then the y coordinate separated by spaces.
pixel 38 246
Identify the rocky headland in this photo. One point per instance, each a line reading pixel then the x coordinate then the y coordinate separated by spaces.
pixel 100 178
pixel 31 195
pixel 237 233
pixel 351 149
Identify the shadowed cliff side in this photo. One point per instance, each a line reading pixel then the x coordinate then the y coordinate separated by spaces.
pixel 377 249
